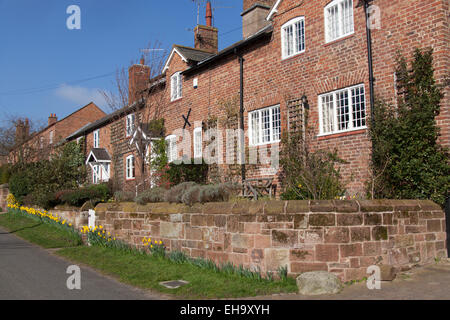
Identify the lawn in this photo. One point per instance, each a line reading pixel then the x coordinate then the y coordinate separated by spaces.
pixel 40 233
pixel 146 272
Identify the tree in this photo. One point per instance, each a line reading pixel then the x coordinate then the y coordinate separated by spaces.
pixel 407 161
pixel 149 107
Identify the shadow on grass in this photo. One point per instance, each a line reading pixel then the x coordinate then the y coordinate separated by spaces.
pixel 24 228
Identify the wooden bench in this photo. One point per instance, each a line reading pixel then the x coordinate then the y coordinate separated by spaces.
pixel 258 187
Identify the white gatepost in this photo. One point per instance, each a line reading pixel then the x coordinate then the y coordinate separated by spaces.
pixel 91 221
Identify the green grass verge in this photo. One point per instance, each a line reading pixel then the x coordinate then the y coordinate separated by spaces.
pixel 40 233
pixel 147 272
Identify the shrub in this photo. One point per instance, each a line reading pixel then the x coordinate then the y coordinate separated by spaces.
pixel 94 193
pixel 124 196
pixel 175 194
pixel 5 174
pixel 20 185
pixel 190 193
pixel 150 196
pixel 407 161
pixel 179 173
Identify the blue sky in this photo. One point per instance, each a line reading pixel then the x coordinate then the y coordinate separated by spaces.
pixel 42 61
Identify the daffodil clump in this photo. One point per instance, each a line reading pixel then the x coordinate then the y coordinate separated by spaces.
pixel 39 215
pixel 155 247
pixel 98 236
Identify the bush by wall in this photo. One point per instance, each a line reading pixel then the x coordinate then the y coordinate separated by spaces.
pixel 190 193
pixel 407 161
pixel 38 181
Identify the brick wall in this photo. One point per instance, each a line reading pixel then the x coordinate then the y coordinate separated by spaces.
pixel 343 237
pixel 4 191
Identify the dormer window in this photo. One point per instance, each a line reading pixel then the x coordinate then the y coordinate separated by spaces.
pixel 96 138
pixel 176 86
pixel 338 19
pixel 130 124
pixel 293 37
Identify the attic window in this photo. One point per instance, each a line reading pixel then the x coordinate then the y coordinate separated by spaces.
pixel 338 19
pixel 176 86
pixel 293 37
pixel 130 124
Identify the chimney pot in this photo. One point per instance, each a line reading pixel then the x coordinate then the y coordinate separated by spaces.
pixel 208 14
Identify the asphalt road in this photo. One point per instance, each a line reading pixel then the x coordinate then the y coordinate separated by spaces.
pixel 28 272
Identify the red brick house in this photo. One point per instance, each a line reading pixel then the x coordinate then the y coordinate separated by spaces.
pixel 294 54
pixel 41 144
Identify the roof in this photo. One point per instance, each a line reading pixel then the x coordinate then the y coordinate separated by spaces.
pixel 99 155
pixel 267 30
pixel 187 54
pixel 99 123
pixel 53 124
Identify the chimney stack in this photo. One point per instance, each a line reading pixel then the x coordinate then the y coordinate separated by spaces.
pixel 52 119
pixel 22 131
pixel 138 80
pixel 206 37
pixel 254 16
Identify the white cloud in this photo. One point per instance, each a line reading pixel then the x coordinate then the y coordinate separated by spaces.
pixel 80 95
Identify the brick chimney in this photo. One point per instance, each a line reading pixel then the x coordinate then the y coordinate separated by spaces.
pixel 52 119
pixel 138 79
pixel 22 131
pixel 206 37
pixel 254 16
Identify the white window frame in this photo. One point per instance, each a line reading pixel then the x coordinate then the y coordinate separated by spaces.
pixel 130 122
pixel 176 86
pixel 255 123
pixel 96 138
pixel 340 25
pixel 96 173
pixel 130 167
pixel 171 148
pixel 296 35
pixel 198 142
pixel 52 133
pixel 334 114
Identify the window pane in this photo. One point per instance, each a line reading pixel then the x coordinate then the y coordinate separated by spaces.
pixel 343 113
pixel 359 107
pixel 255 127
pixel 347 16
pixel 300 35
pixel 333 23
pixel 289 40
pixel 276 124
pixel 327 113
pixel 265 125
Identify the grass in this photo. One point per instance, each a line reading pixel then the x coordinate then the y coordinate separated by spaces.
pixel 42 234
pixel 147 272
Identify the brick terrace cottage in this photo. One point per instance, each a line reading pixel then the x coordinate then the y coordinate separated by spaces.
pixel 294 54
pixel 39 145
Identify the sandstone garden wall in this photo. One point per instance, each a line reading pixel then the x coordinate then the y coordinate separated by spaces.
pixel 342 237
pixel 4 191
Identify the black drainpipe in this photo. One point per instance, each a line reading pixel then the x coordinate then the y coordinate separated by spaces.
pixel 241 112
pixel 369 57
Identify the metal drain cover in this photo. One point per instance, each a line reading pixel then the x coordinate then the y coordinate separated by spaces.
pixel 174 284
